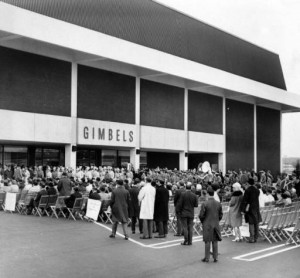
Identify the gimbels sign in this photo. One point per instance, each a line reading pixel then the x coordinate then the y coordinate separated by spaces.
pixel 92 132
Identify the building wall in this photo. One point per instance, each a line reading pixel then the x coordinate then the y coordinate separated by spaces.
pixel 105 96
pixel 239 135
pixel 205 113
pixel 268 139
pixel 162 105
pixel 33 83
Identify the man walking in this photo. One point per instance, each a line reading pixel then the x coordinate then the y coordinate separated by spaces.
pixel 161 209
pixel 147 198
pixel 210 215
pixel 186 204
pixel 250 207
pixel 120 199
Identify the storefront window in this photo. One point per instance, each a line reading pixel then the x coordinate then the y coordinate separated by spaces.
pixel 109 158
pixel 83 158
pixel 15 155
pixel 51 157
pixel 124 158
pixel 1 156
pixel 143 159
pixel 38 156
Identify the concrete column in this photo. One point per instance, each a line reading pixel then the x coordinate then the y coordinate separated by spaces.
pixel 222 156
pixel 70 156
pixel 183 156
pixel 135 158
pixel 183 161
pixel 135 153
pixel 255 140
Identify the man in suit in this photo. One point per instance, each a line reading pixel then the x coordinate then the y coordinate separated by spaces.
pixel 64 186
pixel 135 207
pixel 250 207
pixel 185 208
pixel 177 195
pixel 210 216
pixel 161 208
pixel 120 200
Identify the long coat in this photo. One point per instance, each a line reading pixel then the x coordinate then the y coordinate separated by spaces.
pixel 210 215
pixel 120 199
pixel 134 202
pixel 251 198
pixel 147 198
pixel 235 213
pixel 161 204
pixel 186 204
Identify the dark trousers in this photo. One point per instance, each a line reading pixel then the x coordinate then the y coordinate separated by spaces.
pixel 253 230
pixel 115 226
pixel 214 248
pixel 187 225
pixel 162 227
pixel 179 230
pixel 147 227
pixel 134 219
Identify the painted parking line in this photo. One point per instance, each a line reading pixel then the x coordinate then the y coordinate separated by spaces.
pixel 159 245
pixel 268 252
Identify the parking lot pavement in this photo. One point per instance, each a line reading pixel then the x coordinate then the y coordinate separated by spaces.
pixel 46 247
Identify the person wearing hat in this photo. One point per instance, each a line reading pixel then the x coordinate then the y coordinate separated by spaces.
pixel 235 215
pixel 120 200
pixel 161 208
pixel 210 215
pixel 250 207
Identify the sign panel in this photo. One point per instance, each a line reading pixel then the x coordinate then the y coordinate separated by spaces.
pixel 91 132
pixel 93 209
pixel 10 201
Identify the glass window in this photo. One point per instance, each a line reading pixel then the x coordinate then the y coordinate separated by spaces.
pixel 83 158
pixel 109 158
pixel 1 155
pixel 124 158
pixel 15 155
pixel 51 157
pixel 39 156
pixel 143 159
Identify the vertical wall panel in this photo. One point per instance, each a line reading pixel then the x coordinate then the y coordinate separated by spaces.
pixel 239 135
pixel 106 96
pixel 162 105
pixel 268 139
pixel 33 83
pixel 205 113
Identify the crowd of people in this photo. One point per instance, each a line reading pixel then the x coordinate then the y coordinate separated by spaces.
pixel 144 196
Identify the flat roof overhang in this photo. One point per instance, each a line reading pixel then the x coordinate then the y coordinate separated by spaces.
pixel 31 32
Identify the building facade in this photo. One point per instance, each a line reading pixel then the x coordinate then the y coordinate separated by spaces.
pixel 111 82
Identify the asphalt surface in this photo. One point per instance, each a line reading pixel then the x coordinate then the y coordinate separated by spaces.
pixel 34 246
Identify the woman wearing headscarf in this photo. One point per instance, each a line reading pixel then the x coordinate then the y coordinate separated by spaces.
pixel 235 215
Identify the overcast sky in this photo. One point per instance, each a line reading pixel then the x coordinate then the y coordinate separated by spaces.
pixel 271 24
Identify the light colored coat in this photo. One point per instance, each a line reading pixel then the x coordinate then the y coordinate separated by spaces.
pixel 147 198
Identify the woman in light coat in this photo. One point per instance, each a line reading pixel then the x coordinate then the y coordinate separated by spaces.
pixel 147 198
pixel 235 215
